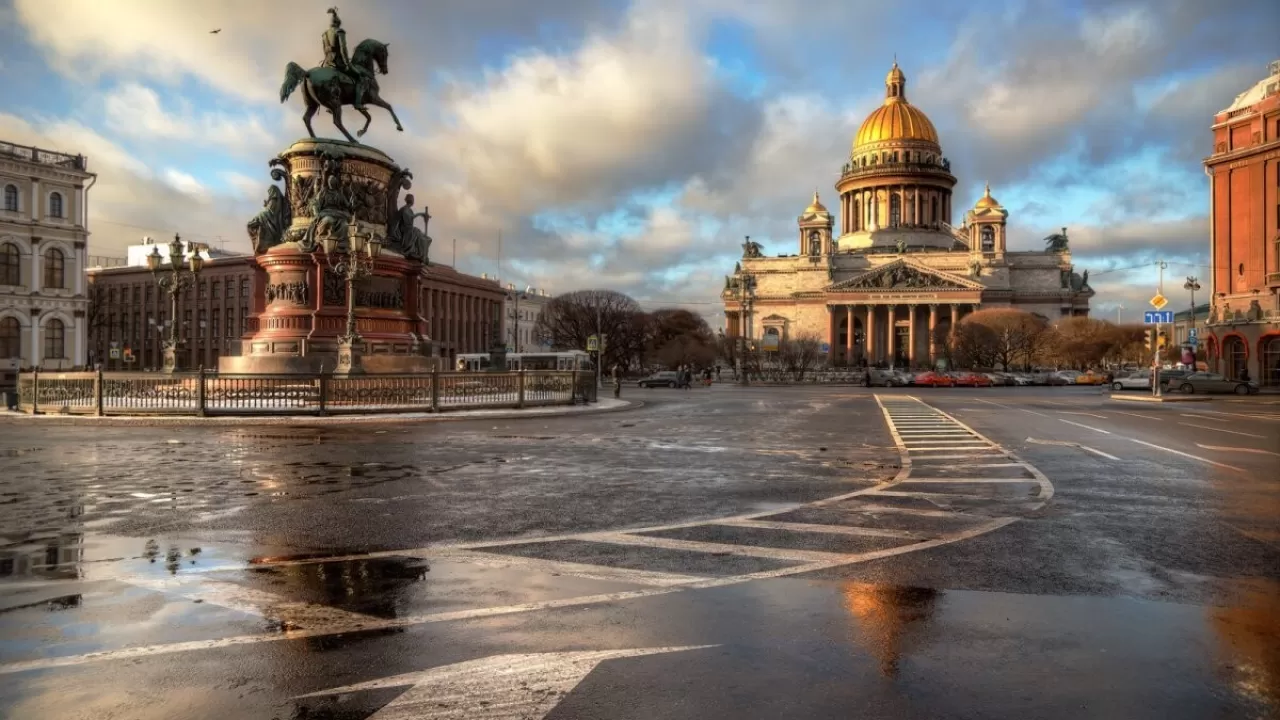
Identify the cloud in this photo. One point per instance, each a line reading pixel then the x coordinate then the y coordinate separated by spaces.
pixel 134 110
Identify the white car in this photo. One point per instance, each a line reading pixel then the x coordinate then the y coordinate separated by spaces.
pixel 1132 381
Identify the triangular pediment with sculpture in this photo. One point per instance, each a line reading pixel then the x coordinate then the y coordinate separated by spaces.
pixel 902 275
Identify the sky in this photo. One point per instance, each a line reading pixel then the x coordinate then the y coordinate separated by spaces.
pixel 632 144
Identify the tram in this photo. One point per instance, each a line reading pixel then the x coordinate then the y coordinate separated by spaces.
pixel 568 360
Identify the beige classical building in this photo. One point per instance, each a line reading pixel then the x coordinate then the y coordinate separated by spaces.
pixel 43 254
pixel 898 269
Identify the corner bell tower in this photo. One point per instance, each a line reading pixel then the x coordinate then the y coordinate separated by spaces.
pixel 816 224
pixel 986 223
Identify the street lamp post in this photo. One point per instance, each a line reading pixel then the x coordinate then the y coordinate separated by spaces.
pixel 354 262
pixel 746 288
pixel 177 279
pixel 516 295
pixel 1192 284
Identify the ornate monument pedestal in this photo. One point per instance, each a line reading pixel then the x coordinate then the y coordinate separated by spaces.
pixel 341 196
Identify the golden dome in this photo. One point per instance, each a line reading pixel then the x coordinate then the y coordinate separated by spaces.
pixel 896 119
pixel 815 206
pixel 986 201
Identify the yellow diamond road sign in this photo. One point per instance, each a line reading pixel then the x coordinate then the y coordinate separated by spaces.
pixel 1159 301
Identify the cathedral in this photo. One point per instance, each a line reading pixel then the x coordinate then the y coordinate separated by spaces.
pixel 898 270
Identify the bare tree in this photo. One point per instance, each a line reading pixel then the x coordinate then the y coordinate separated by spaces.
pixel 799 355
pixel 570 319
pixel 679 337
pixel 975 345
pixel 1014 334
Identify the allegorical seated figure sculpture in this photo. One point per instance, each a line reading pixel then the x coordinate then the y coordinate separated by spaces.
pixel 267 228
pixel 404 237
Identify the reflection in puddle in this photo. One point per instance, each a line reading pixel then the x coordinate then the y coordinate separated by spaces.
pixel 372 586
pixel 890 617
pixel 1249 641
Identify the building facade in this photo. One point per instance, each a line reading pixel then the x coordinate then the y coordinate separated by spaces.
pixel 898 274
pixel 521 311
pixel 43 253
pixel 1244 234
pixel 131 314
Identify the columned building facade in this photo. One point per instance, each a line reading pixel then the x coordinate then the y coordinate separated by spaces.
pixel 43 252
pixel 896 277
pixel 1243 337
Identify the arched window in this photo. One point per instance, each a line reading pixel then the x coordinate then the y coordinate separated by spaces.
pixel 1270 362
pixel 895 210
pixel 10 265
pixel 10 338
pixel 1235 356
pixel 55 271
pixel 11 198
pixel 857 214
pixel 55 205
pixel 934 210
pixel 988 238
pixel 55 340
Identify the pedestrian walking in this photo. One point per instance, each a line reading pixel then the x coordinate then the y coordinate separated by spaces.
pixel 617 382
pixel 717 373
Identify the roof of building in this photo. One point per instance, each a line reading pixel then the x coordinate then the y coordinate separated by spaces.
pixel 896 119
pixel 1264 88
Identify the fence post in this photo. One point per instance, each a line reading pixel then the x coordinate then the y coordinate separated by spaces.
pixel 435 389
pixel 35 392
pixel 97 390
pixel 200 396
pixel 324 393
pixel 520 389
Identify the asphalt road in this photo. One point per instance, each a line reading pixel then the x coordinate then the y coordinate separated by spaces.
pixel 718 553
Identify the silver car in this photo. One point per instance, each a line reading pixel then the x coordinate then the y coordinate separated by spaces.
pixel 1207 382
pixel 1132 381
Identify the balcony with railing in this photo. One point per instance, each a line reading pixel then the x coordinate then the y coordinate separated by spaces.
pixel 942 169
pixel 43 157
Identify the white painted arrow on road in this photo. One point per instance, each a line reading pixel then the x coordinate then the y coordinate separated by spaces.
pixel 502 687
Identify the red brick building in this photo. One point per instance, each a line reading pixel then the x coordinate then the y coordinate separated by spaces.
pixel 1244 179
pixel 128 309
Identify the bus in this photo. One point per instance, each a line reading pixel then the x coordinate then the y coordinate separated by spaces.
pixel 568 360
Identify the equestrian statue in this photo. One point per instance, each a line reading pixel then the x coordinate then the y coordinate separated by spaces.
pixel 341 79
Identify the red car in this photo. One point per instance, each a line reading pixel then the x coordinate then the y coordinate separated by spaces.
pixel 933 379
pixel 971 379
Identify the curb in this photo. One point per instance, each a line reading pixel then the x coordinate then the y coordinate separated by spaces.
pixel 1161 399
pixel 311 420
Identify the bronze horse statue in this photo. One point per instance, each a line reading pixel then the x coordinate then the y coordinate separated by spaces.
pixel 332 88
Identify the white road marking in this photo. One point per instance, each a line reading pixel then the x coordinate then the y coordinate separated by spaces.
pixel 1232 432
pixel 715 548
pixel 501 687
pixel 247 600
pixel 951 447
pixel 823 529
pixel 1007 407
pixel 970 456
pixel 1073 412
pixel 1238 449
pixel 565 567
pixel 969 480
pixel 1249 417
pixel 1086 427
pixel 1186 455
pixel 931 496
pixel 1096 451
pixel 1145 417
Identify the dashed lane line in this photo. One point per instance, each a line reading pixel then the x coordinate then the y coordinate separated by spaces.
pixel 1231 432
pixel 1238 449
pixel 1086 427
pixel 1009 407
pixel 1072 412
pixel 1139 415
pixel 1187 455
pixel 1097 452
pixel 825 529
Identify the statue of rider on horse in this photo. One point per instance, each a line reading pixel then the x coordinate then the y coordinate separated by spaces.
pixel 341 79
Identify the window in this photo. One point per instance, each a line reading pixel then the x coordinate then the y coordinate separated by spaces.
pixel 231 289
pixel 10 338
pixel 186 318
pixel 204 291
pixel 857 214
pixel 10 265
pixel 244 319
pixel 231 323
pixel 55 271
pixel 934 210
pixel 55 340
pixel 895 210
pixel 11 198
pixel 988 239
pixel 137 294
pixel 215 289
pixel 55 205
pixel 244 287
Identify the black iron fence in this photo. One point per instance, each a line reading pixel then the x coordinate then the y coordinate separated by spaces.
pixel 207 393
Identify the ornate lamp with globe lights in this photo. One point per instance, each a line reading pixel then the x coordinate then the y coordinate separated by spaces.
pixel 180 275
pixel 352 263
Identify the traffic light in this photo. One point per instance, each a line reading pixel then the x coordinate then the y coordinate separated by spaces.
pixel 1164 339
pixel 1149 339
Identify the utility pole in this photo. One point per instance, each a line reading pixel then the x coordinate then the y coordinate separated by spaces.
pixel 1155 361
pixel 1118 309
pixel 599 346
pixel 1192 284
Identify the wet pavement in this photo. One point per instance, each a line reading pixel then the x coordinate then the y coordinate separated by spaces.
pixel 735 553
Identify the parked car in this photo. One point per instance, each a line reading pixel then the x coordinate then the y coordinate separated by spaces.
pixel 971 379
pixel 664 378
pixel 1022 379
pixel 932 379
pixel 1140 380
pixel 1062 377
pixel 1206 382
pixel 999 378
pixel 887 378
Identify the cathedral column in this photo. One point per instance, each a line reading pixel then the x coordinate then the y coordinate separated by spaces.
pixel 933 325
pixel 955 320
pixel 832 334
pixel 871 334
pixel 890 355
pixel 848 340
pixel 911 336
